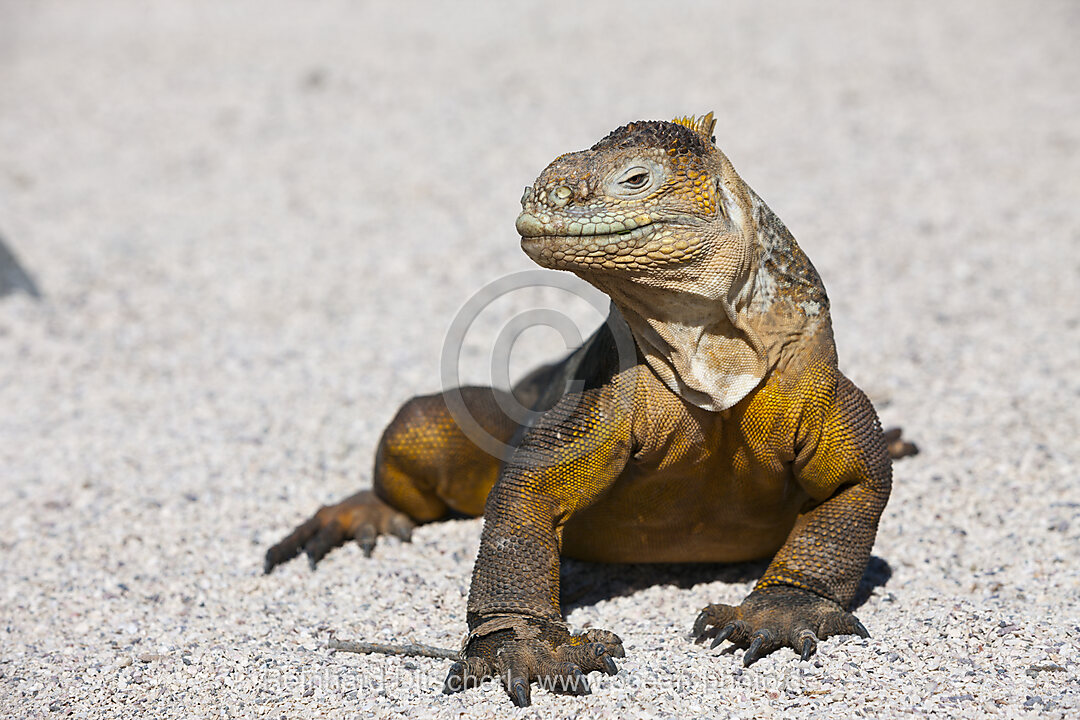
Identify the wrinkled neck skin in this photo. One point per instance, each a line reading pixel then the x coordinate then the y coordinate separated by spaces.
pixel 787 308
pixel 712 329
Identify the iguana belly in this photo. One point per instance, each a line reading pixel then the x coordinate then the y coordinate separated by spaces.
pixel 703 513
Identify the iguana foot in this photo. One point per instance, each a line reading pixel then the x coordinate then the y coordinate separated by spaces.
pixel 898 446
pixel 521 650
pixel 775 617
pixel 362 517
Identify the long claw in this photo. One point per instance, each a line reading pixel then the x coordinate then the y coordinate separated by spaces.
pixel 610 667
pixel 455 679
pixel 367 546
pixel 324 541
pixel 753 652
pixel 861 630
pixel 520 693
pixel 723 635
pixel 365 537
pixel 807 649
pixel 402 529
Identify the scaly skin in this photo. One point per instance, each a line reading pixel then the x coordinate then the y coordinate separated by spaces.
pixel 725 433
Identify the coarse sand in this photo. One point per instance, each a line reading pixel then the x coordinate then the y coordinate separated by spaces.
pixel 234 235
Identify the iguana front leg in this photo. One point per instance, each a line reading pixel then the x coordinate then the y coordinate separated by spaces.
pixel 806 591
pixel 517 633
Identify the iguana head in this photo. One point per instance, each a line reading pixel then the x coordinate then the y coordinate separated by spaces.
pixel 643 199
pixel 711 283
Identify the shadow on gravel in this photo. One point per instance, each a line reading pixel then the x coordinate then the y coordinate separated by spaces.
pixel 12 276
pixel 878 572
pixel 586 584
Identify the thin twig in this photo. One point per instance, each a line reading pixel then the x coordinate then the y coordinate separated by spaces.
pixel 410 650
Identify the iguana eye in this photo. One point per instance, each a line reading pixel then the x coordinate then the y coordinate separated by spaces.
pixel 637 179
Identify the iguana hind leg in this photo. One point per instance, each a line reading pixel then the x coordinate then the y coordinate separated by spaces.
pixel 426 469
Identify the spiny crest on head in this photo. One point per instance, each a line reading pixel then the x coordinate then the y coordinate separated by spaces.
pixel 703 125
pixel 682 136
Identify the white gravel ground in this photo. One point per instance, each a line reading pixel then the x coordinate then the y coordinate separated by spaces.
pixel 251 224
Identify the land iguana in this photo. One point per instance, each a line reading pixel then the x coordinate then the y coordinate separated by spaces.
pixel 705 421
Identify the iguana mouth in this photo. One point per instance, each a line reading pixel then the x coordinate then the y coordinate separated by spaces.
pixel 627 238
pixel 531 229
pixel 530 226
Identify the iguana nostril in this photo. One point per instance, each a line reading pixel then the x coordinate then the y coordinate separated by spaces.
pixel 561 195
pixel 525 195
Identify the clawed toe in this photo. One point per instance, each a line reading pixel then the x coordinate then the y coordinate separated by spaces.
pixel 520 693
pixel 754 651
pixel 809 645
pixel 323 542
pixel 463 675
pixel 362 516
pixel 724 634
pixel 775 617
pixel 897 446
pixel 536 650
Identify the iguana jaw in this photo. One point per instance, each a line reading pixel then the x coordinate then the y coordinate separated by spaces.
pixel 571 245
